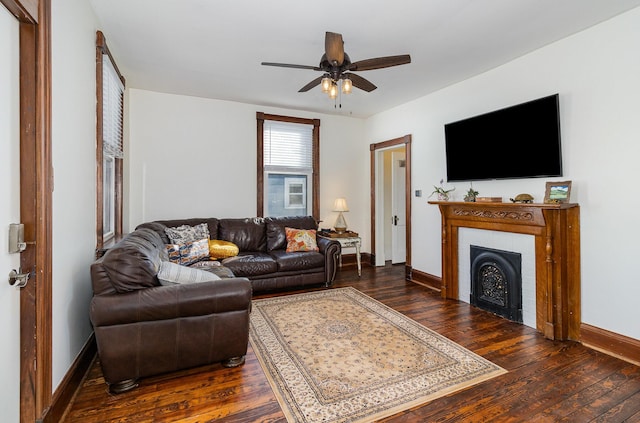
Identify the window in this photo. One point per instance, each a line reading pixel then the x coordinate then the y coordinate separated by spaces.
pixel 108 187
pixel 109 149
pixel 295 193
pixel 288 178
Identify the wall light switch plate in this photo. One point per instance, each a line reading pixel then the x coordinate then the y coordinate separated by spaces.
pixel 418 193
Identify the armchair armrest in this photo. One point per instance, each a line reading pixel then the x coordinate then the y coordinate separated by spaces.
pixel 326 243
pixel 170 302
pixel 331 250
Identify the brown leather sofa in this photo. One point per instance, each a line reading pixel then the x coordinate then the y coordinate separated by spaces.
pixel 262 244
pixel 144 329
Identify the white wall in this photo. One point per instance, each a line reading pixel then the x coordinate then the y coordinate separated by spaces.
pixel 196 157
pixel 596 74
pixel 9 213
pixel 74 156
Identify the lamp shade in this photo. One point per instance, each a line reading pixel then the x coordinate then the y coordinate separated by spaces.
pixel 333 90
pixel 346 85
pixel 340 205
pixel 325 84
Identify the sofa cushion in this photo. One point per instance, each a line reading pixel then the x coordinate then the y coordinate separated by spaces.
pixel 160 225
pixel 214 267
pixel 186 233
pixel 298 261
pixel 276 236
pixel 206 264
pixel 133 262
pixel 189 252
pixel 171 274
pixel 248 234
pixel 301 240
pixel 158 228
pixel 219 249
pixel 251 264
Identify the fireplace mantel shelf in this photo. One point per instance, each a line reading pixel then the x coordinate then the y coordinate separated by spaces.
pixel 556 228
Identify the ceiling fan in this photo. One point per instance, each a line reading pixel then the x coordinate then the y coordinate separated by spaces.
pixel 338 68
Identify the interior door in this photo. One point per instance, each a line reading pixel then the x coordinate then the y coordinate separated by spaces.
pixel 398 208
pixel 9 213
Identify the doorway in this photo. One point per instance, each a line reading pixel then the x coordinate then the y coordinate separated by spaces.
pixel 391 202
pixel 391 196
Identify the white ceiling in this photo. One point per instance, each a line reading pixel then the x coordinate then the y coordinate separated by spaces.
pixel 213 48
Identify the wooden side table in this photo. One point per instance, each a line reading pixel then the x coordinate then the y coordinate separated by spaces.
pixel 349 242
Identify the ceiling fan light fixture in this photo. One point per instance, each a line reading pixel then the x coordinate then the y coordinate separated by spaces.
pixel 347 85
pixel 333 90
pixel 335 61
pixel 325 84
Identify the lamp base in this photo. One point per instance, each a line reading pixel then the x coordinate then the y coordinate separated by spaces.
pixel 341 224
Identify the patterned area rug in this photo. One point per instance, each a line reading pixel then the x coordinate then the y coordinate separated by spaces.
pixel 341 356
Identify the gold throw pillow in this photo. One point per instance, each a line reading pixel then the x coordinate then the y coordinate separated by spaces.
pixel 219 249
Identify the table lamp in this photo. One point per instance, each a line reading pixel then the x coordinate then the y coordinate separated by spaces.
pixel 340 206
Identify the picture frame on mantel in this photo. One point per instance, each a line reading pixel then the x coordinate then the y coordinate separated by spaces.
pixel 557 192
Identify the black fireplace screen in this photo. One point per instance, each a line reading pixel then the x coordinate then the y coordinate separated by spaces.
pixel 496 281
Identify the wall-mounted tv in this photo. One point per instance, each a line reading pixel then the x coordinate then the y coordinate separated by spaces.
pixel 521 141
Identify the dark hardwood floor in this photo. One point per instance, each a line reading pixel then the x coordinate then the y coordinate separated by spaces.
pixel 547 381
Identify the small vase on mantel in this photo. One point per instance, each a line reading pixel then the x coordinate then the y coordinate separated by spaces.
pixel 443 196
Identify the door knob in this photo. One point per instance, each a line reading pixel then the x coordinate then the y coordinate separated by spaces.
pixel 19 280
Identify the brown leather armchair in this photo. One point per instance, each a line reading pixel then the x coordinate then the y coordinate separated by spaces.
pixel 144 329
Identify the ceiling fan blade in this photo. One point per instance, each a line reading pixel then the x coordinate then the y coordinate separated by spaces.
pixel 288 65
pixel 360 82
pixel 380 62
pixel 334 48
pixel 311 84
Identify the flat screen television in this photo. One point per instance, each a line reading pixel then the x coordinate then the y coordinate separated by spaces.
pixel 521 141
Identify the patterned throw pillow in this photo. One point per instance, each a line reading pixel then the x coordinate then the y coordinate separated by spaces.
pixel 301 240
pixel 186 233
pixel 189 252
pixel 219 249
pixel 172 274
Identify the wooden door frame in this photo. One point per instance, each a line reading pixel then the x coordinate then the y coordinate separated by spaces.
pixel 36 185
pixel 374 148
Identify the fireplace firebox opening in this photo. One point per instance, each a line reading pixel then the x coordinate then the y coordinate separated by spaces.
pixel 496 281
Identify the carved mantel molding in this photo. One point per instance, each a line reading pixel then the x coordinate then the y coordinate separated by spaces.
pixel 494 214
pixel 556 228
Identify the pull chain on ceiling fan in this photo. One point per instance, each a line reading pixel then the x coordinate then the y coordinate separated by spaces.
pixel 338 69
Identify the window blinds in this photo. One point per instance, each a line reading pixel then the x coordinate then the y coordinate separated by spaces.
pixel 112 103
pixel 288 145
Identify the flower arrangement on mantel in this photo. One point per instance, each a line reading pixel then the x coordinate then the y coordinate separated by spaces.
pixel 443 194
